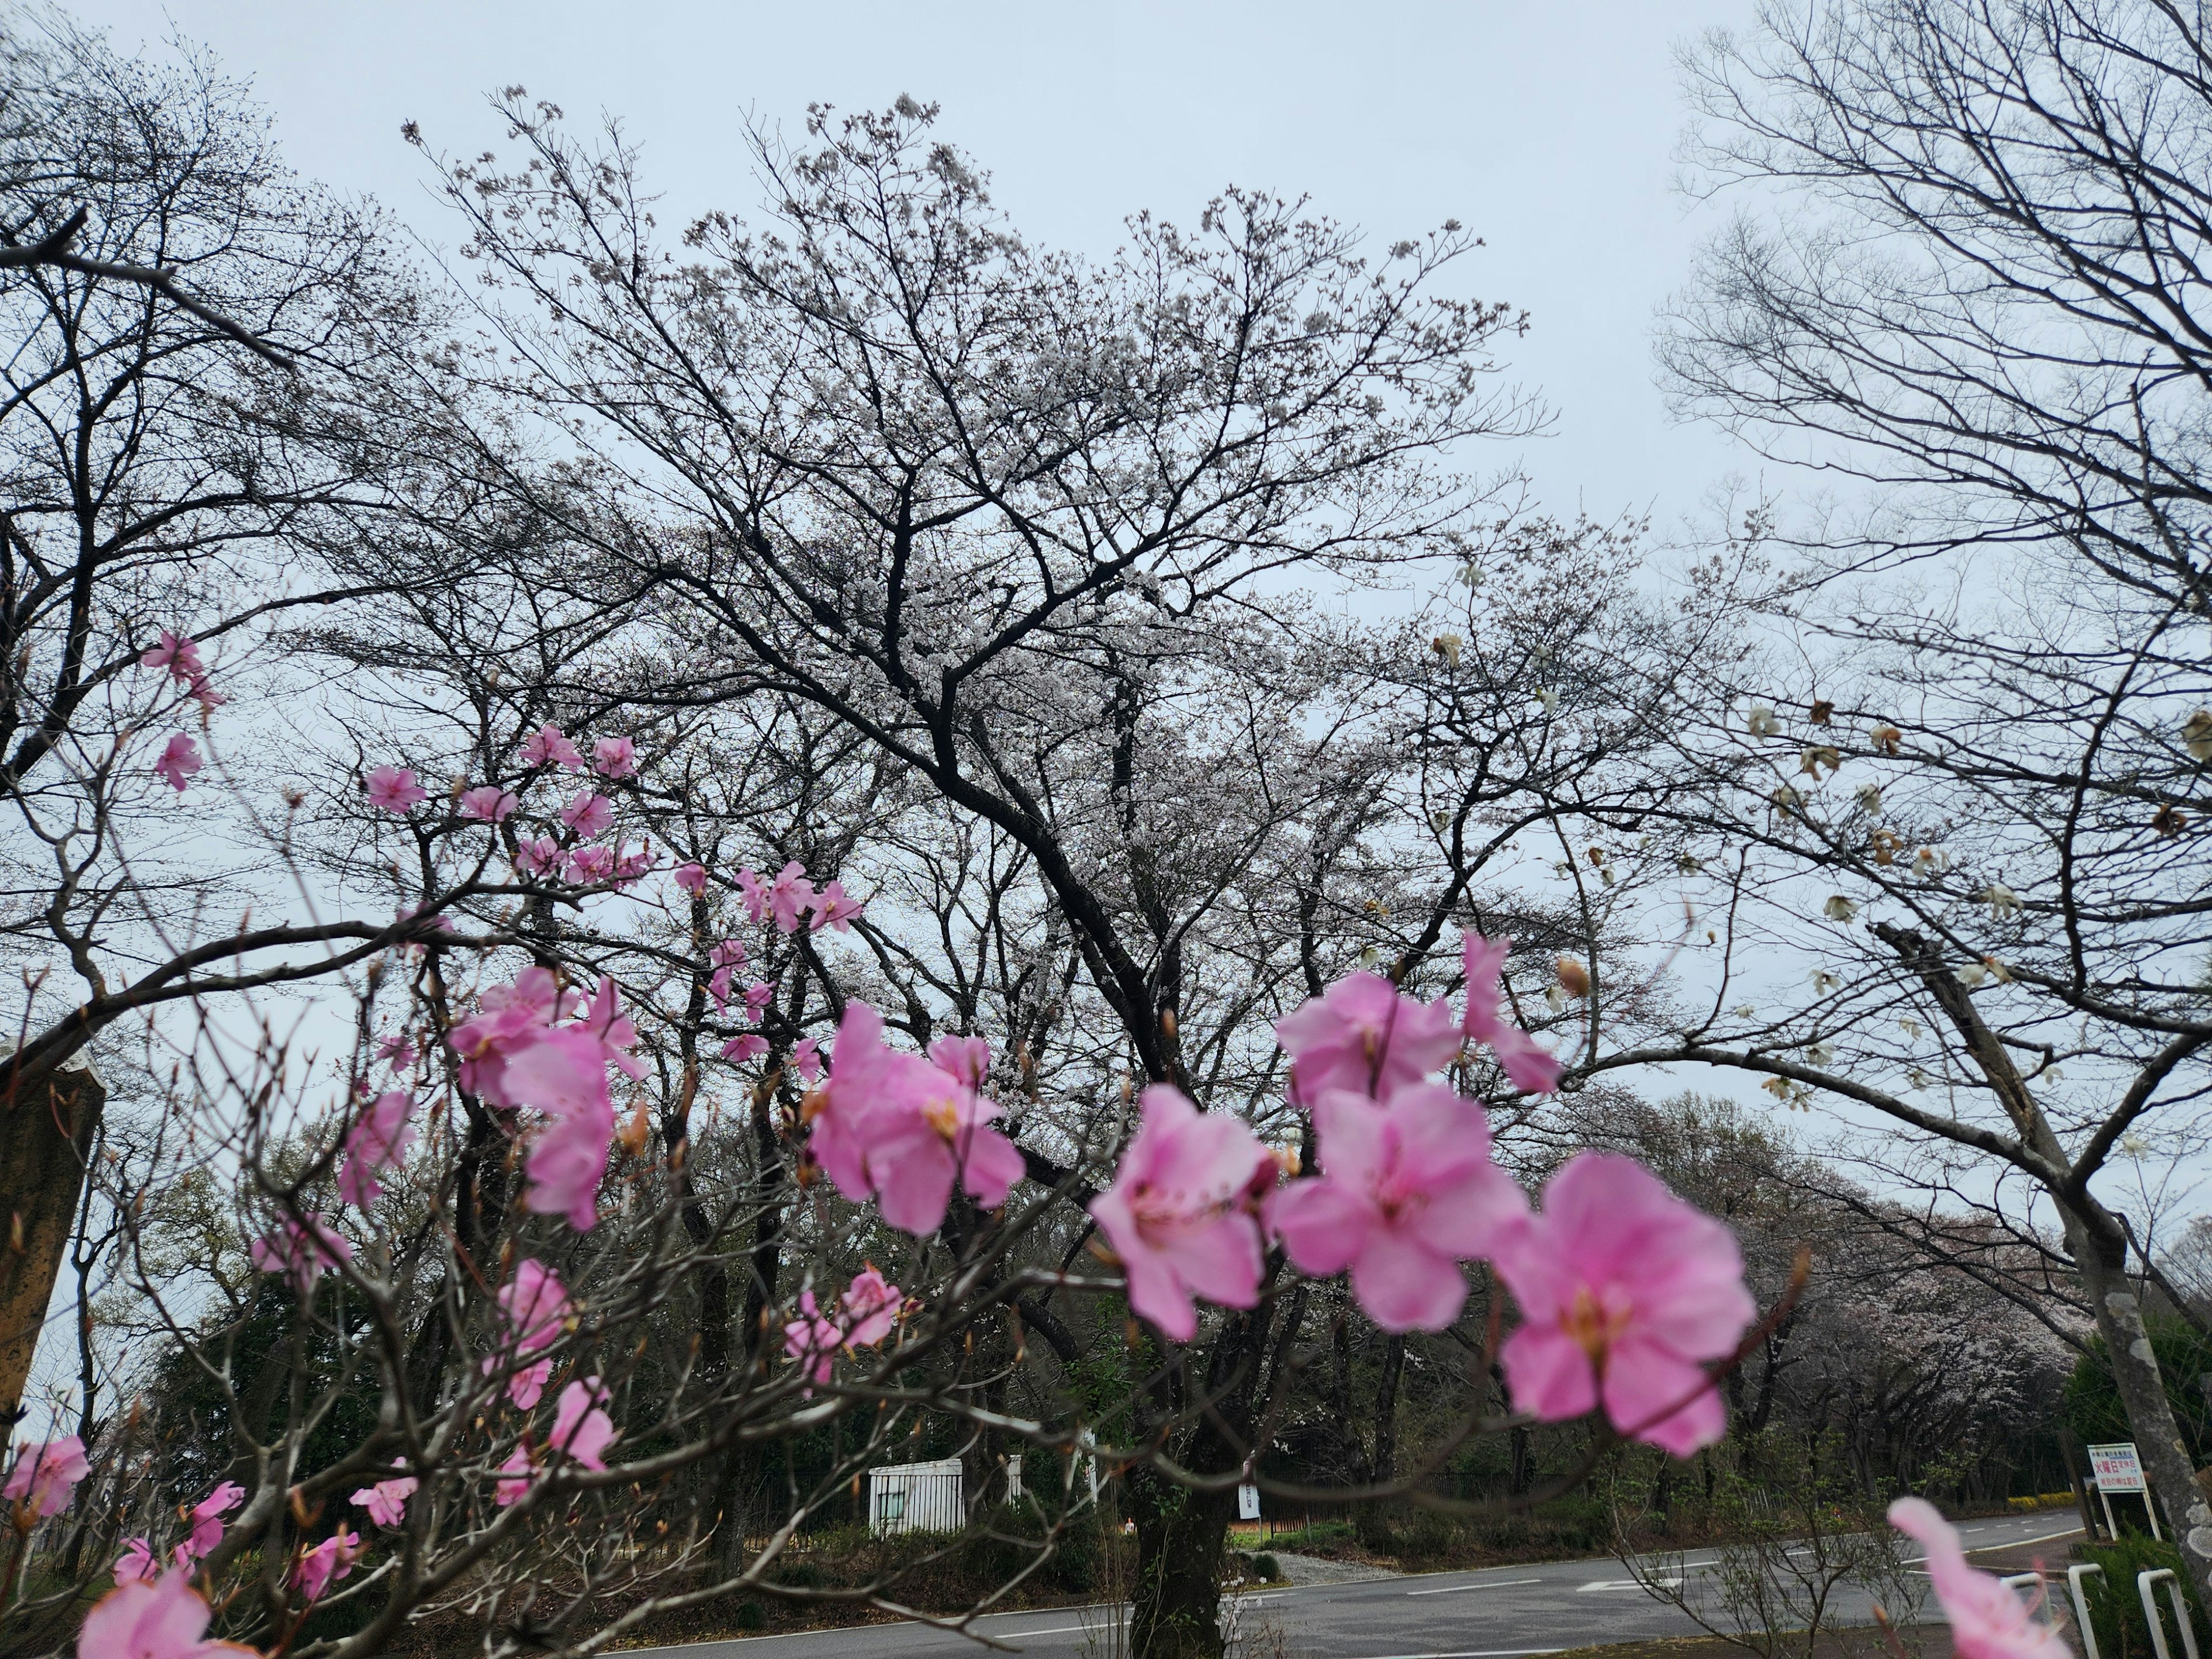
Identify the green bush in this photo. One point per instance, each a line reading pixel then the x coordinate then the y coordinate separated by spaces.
pixel 750 1615
pixel 2116 1606
pixel 1267 1567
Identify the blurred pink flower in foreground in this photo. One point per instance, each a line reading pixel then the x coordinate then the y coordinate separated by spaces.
pixel 580 1429
pixel 394 788
pixel 162 1620
pixel 1527 1066
pixel 136 1564
pixel 813 1341
pixel 1988 1618
pixel 379 1141
pixel 536 1304
pixel 691 877
pixel 208 1513
pixel 514 1477
pixel 751 1046
pixel 387 1501
pixel 332 1558
pixel 488 804
pixel 549 747
pixel 45 1474
pixel 526 1384
pixel 399 1049
pixel 1624 1290
pixel 1363 1034
pixel 1407 1191
pixel 807 1059
pixel 614 758
pixel 180 758
pixel 302 1253
pixel 1178 1213
pixel 870 1307
pixel 789 895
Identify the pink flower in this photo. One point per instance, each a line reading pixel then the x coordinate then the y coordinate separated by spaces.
pixel 896 1127
pixel 789 897
pixel 1625 1289
pixel 565 1075
pixel 718 986
pixel 180 758
pixel 394 788
pixel 160 1621
pixel 614 758
pixel 813 1341
pixel 1988 1618
pixel 833 910
pixel 208 1513
pixel 1527 1067
pixel 730 953
pixel 755 895
pixel 967 1058
pixel 515 1474
pixel 399 1049
pixel 630 866
pixel 807 1059
pixel 488 804
pixel 870 1308
pixel 580 1429
pixel 387 1501
pixel 751 1046
pixel 756 998
pixel 589 865
pixel 691 877
pixel 1362 1035
pixel 535 1304
pixel 548 747
pixel 379 1141
pixel 136 1564
pixel 332 1558
pixel 538 855
pixel 1178 1213
pixel 302 1254
pixel 526 1384
pixel 180 655
pixel 1407 1191
pixel 45 1474
pixel 588 813
pixel 513 1017
pixel 604 1018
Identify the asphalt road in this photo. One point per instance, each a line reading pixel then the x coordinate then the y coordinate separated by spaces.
pixel 1500 1612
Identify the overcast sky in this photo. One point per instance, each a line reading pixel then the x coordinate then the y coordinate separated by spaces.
pixel 1547 129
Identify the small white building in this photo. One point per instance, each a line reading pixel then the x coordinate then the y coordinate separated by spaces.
pixel 916 1498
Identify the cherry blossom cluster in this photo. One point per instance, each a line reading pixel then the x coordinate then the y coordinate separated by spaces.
pixel 180 757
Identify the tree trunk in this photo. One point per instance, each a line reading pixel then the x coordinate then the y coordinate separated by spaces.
pixel 45 1136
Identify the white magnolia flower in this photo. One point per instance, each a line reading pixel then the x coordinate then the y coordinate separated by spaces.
pixel 1824 981
pixel 1745 1010
pixel 1550 699
pixel 1911 1027
pixel 1838 909
pixel 1762 722
pixel 2133 1144
pixel 1972 974
pixel 1868 795
pixel 2001 899
pixel 1556 997
pixel 1821 1054
pixel 1917 1077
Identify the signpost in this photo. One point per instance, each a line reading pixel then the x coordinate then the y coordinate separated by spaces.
pixel 2116 1468
pixel 1248 1502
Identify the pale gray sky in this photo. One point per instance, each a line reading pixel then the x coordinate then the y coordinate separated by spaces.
pixel 1547 129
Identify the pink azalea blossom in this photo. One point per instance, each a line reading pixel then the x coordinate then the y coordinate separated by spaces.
pixel 204 694
pixel 379 1141
pixel 206 1517
pixel 691 877
pixel 526 1384
pixel 1988 1618
pixel 488 804
pixel 565 1075
pixel 807 1059
pixel 394 788
pixel 514 1477
pixel 535 1304
pixel 630 865
pixel 332 1558
pixel 166 1620
pixel 580 1429
pixel 136 1564
pixel 870 1308
pixel 1407 1192
pixel 903 1130
pixel 832 909
pixel 602 1017
pixel 614 758
pixel 180 758
pixel 1624 1290
pixel 753 894
pixel 1179 1213
pixel 547 745
pixel 512 1019
pixel 758 996
pixel 813 1341
pixel 1362 1033
pixel 587 866
pixel 537 855
pixel 588 813
pixel 45 1474
pixel 399 1049
pixel 302 1253
pixel 751 1046
pixel 180 655
pixel 1527 1067
pixel 966 1058
pixel 789 895
pixel 718 987
pixel 387 1501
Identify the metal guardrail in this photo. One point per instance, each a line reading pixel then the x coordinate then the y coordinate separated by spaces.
pixel 2075 1574
pixel 2144 1580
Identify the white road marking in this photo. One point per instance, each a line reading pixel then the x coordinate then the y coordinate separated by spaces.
pixel 1024 1635
pixel 1493 1583
pixel 1625 1585
pixel 1472 1653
